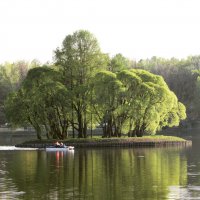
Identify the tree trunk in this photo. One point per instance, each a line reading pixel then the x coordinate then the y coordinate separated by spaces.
pixel 47 131
pixel 36 127
pixel 80 126
pixel 104 131
pixel 133 133
pixel 85 125
pixel 38 131
pixel 85 130
pixel 139 133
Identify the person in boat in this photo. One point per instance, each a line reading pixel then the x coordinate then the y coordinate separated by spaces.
pixel 57 144
pixel 61 144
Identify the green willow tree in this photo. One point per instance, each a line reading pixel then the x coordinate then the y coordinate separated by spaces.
pixel 135 102
pixel 41 103
pixel 79 59
pixel 107 91
pixel 179 76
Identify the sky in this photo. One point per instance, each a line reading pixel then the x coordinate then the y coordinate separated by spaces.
pixel 139 29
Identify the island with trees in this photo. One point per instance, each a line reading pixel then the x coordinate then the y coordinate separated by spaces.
pixel 85 88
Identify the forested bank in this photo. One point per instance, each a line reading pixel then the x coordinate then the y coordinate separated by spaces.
pixel 11 77
pixel 85 88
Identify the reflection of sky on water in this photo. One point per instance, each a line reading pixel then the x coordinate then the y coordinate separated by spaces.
pixel 184 193
pixel 191 191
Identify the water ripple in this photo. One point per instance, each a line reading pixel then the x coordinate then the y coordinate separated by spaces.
pixel 193 174
pixel 9 148
pixel 184 193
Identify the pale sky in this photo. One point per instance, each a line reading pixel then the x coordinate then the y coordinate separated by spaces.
pixel 139 29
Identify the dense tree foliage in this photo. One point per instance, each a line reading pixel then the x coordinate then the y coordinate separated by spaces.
pixel 181 77
pixel 79 59
pixel 119 62
pixel 41 102
pixel 135 102
pixel 11 77
pixel 86 88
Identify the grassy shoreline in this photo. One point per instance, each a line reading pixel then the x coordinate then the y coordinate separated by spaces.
pixel 158 140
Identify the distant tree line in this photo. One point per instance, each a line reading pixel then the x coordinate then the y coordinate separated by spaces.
pixel 11 77
pixel 182 77
pixel 85 88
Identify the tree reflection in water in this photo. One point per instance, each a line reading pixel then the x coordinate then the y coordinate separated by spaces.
pixel 110 173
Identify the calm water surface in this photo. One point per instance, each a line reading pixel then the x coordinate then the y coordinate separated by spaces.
pixel 111 173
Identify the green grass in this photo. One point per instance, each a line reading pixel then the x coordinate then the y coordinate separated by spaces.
pixel 156 138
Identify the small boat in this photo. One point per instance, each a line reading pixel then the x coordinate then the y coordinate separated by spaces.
pixel 61 148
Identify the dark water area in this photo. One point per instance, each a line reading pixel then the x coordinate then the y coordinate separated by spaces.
pixel 110 173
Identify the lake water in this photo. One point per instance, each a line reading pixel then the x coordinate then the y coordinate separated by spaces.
pixel 101 174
